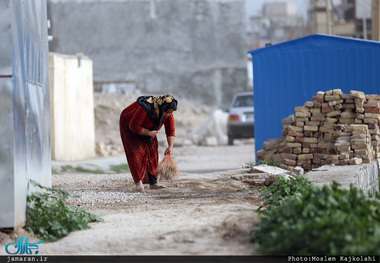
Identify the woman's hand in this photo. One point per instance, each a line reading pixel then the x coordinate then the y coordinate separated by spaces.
pixel 152 134
pixel 169 150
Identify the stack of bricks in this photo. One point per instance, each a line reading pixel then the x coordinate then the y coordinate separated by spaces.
pixel 332 128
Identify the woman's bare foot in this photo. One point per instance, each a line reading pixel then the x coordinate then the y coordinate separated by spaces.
pixel 139 187
pixel 157 186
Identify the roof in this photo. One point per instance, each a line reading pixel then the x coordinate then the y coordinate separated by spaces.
pixel 317 41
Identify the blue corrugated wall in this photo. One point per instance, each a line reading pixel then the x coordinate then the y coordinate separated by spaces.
pixel 288 74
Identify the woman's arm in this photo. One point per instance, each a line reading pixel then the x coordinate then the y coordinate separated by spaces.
pixel 171 144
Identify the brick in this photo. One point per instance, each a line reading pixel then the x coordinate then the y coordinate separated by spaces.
pixel 320 94
pixel 361 152
pixel 292 133
pixel 324 129
pixel 345 162
pixel 318 150
pixel 318 134
pixel 344 156
pixel 357 94
pixel 303 162
pixel 289 156
pixel 334 114
pixel 347 121
pixel 331 103
pixel 356 127
pixel 359 136
pixel 317 117
pixel 360 116
pixel 327 108
pixel 301 109
pixel 295 128
pixel 358 121
pixel 370 120
pixel 317 99
pixel 310 140
pixel 356 160
pixel 371 103
pixel 331 119
pixel 374 131
pixel 302 119
pixel 317 104
pixel 299 139
pixel 315 110
pixel 290 138
pixel 297 150
pixel 373 126
pixel 289 162
pixel 327 135
pixel 308 104
pixel 308 134
pixel 344 148
pixel 348 106
pixel 313 123
pixel 337 92
pixel 300 123
pixel 359 146
pixel 308 156
pixel 348 115
pixel 373 110
pixel 288 150
pixel 347 96
pixel 303 114
pixel 293 144
pixel 332 97
pixel 305 150
pixel 310 128
pixel 359 109
pixel 372 97
pixel 359 100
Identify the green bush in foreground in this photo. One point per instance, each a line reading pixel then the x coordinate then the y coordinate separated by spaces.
pixel 49 218
pixel 277 192
pixel 322 221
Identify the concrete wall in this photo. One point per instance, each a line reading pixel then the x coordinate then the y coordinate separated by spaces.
pixel 191 48
pixel 364 176
pixel 72 107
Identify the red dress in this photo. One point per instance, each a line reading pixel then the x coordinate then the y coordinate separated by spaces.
pixel 142 157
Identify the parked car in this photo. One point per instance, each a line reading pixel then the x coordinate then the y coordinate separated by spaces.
pixel 241 119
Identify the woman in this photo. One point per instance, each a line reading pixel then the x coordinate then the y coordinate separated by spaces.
pixel 139 124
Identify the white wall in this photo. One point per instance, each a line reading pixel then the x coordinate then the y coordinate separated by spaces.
pixel 72 108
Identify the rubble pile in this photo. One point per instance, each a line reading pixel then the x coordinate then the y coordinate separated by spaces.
pixel 332 128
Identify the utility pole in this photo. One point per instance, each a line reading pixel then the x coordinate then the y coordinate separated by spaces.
pixel 375 20
pixel 328 16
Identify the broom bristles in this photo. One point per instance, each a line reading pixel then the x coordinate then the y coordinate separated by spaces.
pixel 168 168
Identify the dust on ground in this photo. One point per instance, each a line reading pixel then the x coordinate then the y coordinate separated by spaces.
pixel 198 214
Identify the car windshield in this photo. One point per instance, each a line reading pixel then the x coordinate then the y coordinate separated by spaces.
pixel 243 101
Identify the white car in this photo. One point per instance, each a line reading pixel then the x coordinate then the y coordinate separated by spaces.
pixel 241 119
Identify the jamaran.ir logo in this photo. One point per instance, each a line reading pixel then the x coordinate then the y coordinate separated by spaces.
pixel 22 247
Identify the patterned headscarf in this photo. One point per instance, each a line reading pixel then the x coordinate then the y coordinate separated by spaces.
pixel 156 106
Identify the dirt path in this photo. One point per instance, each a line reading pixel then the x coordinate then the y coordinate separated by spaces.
pixel 199 214
pixel 205 214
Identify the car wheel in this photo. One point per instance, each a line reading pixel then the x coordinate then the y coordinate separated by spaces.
pixel 230 140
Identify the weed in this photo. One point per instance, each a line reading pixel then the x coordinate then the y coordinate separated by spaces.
pixel 249 165
pixel 50 218
pixel 121 168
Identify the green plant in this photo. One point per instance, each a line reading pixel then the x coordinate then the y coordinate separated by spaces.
pixel 50 218
pixel 121 168
pixel 277 192
pixel 249 165
pixel 78 169
pixel 322 221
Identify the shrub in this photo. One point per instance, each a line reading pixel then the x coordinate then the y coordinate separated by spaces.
pixel 49 218
pixel 322 221
pixel 277 192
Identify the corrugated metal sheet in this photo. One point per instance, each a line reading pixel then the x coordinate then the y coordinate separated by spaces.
pixel 24 105
pixel 288 74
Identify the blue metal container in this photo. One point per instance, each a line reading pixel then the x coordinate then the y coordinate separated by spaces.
pixel 288 74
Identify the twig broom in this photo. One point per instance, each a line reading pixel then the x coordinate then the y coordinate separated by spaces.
pixel 168 169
